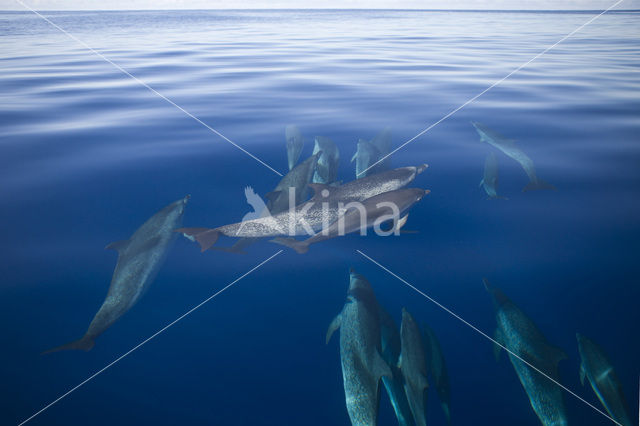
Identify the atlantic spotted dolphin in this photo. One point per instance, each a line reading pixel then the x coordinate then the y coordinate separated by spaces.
pixel 391 355
pixel 375 209
pixel 413 365
pixel 366 155
pixel 489 181
pixel 362 364
pixel 521 337
pixel 597 369
pixel 139 259
pixel 437 369
pixel 311 215
pixel 327 168
pixel 509 147
pixel 295 143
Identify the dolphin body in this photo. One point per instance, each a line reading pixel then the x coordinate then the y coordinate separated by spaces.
pixel 509 147
pixel 295 143
pixel 362 364
pixel 490 179
pixel 327 168
pixel 366 155
pixel 598 370
pixel 437 369
pixel 520 336
pixel 382 141
pixel 413 364
pixel 139 259
pixel 351 220
pixel 391 354
pixel 311 214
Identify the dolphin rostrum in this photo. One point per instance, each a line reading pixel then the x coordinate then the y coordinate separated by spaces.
pixel 295 142
pixel 139 259
pixel 362 364
pixel 597 369
pixel 521 337
pixel 509 147
pixel 391 354
pixel 375 211
pixel 312 215
pixel 327 168
pixel 413 364
pixel 437 369
pixel 490 179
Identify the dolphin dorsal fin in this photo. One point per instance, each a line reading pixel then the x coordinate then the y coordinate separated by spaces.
pixel 335 324
pixel 117 245
pixel 318 188
pixel 380 368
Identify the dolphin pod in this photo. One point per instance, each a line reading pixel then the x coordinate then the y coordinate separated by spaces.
pixel 310 216
pixel 139 259
pixel 516 332
pixel 595 366
pixel 377 210
pixel 360 345
pixel 509 147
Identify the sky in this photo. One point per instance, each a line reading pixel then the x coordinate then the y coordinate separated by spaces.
pixel 331 4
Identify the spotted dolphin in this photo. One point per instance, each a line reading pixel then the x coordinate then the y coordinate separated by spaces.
pixel 311 215
pixel 509 147
pixel 437 369
pixel 139 259
pixel 597 369
pixel 366 155
pixel 413 364
pixel 360 345
pixel 521 337
pixel 373 211
pixel 490 179
pixel 327 168
pixel 295 143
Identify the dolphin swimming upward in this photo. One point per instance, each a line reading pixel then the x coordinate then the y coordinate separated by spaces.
pixel 509 147
pixel 413 365
pixel 437 369
pixel 376 211
pixel 311 215
pixel 139 259
pixel 520 336
pixel 295 143
pixel 597 369
pixel 327 168
pixel 362 364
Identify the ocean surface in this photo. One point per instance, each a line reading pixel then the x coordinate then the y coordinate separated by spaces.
pixel 87 154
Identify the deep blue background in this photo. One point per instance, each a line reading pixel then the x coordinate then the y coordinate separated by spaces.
pixel 87 155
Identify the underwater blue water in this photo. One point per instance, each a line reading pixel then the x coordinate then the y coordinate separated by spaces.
pixel 87 155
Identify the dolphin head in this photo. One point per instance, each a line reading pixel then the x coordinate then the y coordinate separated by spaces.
pixel 359 287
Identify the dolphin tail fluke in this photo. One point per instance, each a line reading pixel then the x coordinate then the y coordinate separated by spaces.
pixel 299 246
pixel 206 237
pixel 84 344
pixel 538 184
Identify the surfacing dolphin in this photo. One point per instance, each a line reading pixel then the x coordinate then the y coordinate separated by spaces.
pixel 490 179
pixel 391 355
pixel 362 364
pixel 139 259
pixel 413 364
pixel 327 168
pixel 375 211
pixel 509 147
pixel 295 143
pixel 437 369
pixel 595 366
pixel 312 215
pixel 520 336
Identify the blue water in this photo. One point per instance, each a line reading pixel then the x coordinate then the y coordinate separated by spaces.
pixel 87 154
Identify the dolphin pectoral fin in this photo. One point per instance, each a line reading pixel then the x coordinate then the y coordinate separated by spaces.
pixel 497 335
pixel 335 324
pixel 354 157
pixel 380 368
pixel 300 247
pixel 84 344
pixel 447 413
pixel 481 183
pixel 206 237
pixel 271 196
pixel 583 373
pixel 117 245
pixel 557 355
